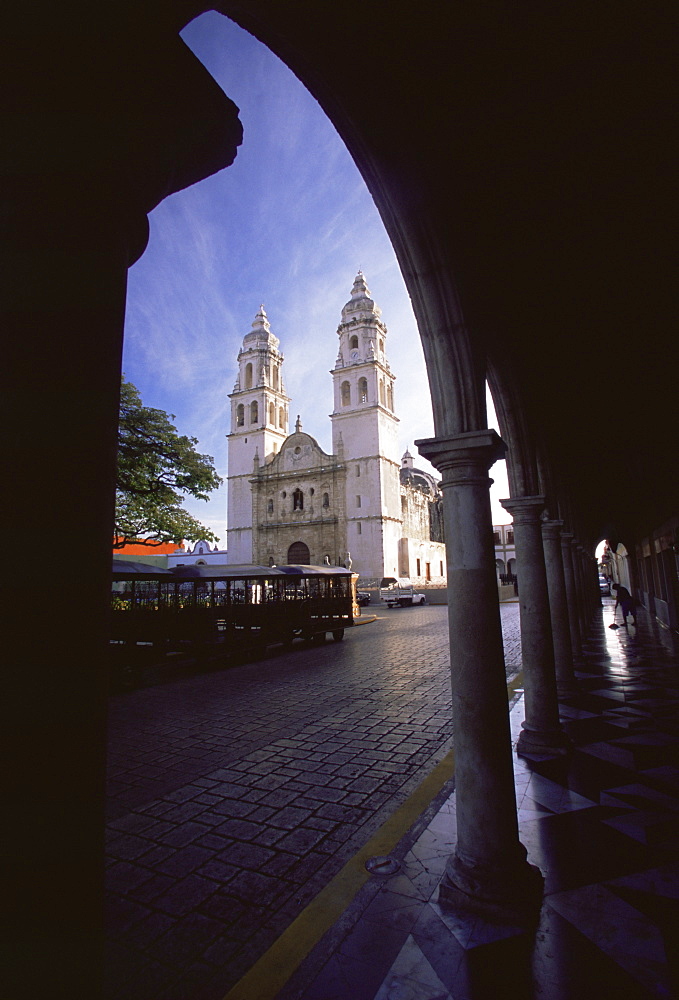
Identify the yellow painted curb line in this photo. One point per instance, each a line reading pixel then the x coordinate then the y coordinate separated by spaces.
pixel 272 971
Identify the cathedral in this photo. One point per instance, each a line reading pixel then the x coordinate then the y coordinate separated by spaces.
pixel 291 502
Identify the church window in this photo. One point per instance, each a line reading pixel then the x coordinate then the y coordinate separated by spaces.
pixel 269 505
pixel 298 500
pixel 281 417
pixel 346 394
pixel 383 400
pixel 312 491
pixel 248 376
pixel 359 529
pixel 353 343
pixel 381 343
pixel 390 397
pixel 274 377
pixel 358 470
pixel 272 414
pixel 283 494
pixel 510 537
pixel 427 571
pixel 417 572
pixel 358 501
pixel 326 499
pixel 254 412
pixel 363 390
pixel 240 415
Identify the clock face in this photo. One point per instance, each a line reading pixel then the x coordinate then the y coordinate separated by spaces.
pixel 354 355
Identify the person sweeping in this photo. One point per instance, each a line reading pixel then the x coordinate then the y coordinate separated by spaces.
pixel 625 600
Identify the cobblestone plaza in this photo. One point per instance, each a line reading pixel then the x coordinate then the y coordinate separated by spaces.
pixel 235 796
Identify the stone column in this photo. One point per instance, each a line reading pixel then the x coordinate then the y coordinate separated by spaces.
pixel 541 731
pixel 558 606
pixel 571 594
pixel 577 570
pixel 488 872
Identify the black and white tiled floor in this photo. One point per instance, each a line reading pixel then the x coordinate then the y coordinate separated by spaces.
pixel 602 825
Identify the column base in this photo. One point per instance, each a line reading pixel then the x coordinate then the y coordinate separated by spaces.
pixel 510 895
pixel 554 743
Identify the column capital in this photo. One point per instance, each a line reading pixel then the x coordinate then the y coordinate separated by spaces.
pixel 566 537
pixel 480 448
pixel 551 528
pixel 524 510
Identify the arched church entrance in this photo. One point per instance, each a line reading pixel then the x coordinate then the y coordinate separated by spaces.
pixel 299 555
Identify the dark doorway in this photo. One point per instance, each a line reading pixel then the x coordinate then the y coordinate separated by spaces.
pixel 299 555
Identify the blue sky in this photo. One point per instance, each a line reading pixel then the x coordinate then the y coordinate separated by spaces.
pixel 287 226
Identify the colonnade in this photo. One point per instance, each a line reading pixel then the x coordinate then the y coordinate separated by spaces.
pixel 558 593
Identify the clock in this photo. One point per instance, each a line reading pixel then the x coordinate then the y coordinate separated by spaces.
pixel 355 355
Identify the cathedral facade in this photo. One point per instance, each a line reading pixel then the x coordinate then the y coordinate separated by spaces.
pixel 290 502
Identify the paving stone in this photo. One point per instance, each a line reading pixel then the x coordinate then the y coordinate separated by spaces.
pixel 185 834
pixel 249 885
pixel 218 870
pixel 251 856
pixel 121 914
pixel 229 790
pixel 341 813
pixel 132 823
pixel 289 817
pixel 152 888
pixel 269 836
pixel 186 939
pixel 150 928
pixel 213 842
pixel 156 855
pixel 224 906
pixel 127 847
pixel 122 877
pixel 280 864
pixel 184 861
pixel 185 895
pixel 326 794
pixel 186 811
pixel 239 829
pixel 305 867
pixel 300 841
pixel 233 807
pixel 182 794
pixel 158 830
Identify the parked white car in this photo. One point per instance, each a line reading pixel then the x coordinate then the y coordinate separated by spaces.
pixel 399 591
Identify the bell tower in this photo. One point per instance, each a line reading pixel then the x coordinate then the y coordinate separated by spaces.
pixel 259 426
pixel 365 433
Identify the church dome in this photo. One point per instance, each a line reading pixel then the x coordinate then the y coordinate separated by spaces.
pixel 418 478
pixel 360 305
pixel 261 334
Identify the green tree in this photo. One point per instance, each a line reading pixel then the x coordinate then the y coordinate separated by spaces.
pixel 157 468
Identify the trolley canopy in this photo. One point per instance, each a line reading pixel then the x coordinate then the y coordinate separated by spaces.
pixel 239 572
pixel 125 569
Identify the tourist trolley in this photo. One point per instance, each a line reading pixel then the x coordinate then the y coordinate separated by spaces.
pixel 229 610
